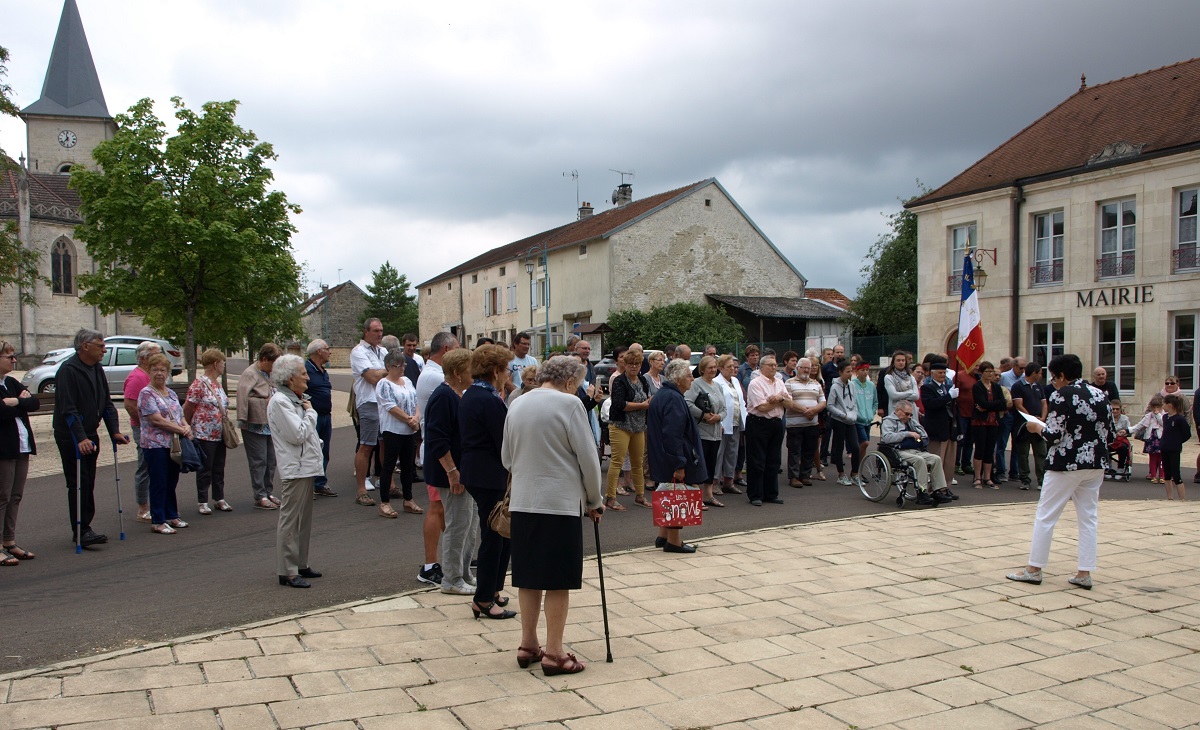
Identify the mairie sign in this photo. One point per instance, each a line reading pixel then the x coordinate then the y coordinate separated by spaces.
pixel 1115 296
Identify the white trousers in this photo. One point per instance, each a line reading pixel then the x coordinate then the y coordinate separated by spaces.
pixel 1082 486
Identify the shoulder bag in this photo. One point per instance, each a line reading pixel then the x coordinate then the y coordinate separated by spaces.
pixel 500 519
pixel 229 433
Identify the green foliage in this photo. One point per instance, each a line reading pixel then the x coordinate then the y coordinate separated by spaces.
pixel 673 324
pixel 185 232
pixel 7 107
pixel 18 265
pixel 389 300
pixel 886 304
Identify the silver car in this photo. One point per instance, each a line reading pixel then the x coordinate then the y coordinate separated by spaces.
pixel 172 352
pixel 118 362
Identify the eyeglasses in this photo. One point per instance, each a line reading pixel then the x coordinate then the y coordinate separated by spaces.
pixel 1172 382
pixel 11 356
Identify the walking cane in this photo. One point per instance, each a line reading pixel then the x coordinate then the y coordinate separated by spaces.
pixel 603 601
pixel 78 490
pixel 117 473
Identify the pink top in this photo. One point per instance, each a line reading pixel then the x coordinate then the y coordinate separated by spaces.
pixel 761 388
pixel 134 382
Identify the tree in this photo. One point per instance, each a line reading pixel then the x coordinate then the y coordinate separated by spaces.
pixel 18 265
pixel 886 303
pixel 389 300
pixel 185 232
pixel 673 324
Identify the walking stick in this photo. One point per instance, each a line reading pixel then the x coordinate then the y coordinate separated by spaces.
pixel 117 473
pixel 78 490
pixel 603 601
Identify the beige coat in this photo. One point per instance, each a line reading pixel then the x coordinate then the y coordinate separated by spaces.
pixel 254 390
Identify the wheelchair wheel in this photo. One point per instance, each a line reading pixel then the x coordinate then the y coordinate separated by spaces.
pixel 875 476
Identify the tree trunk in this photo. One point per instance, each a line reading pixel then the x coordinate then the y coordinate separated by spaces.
pixel 189 348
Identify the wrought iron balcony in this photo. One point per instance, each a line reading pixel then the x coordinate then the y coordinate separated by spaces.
pixel 1050 272
pixel 1112 266
pixel 954 284
pixel 1185 259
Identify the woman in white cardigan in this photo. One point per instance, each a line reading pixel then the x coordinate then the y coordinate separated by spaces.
pixel 732 424
pixel 298 457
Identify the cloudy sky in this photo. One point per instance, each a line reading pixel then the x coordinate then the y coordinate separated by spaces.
pixel 426 133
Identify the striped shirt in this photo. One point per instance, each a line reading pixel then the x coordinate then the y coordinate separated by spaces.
pixel 808 394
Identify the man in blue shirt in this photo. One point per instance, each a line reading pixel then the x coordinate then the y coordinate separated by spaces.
pixel 320 391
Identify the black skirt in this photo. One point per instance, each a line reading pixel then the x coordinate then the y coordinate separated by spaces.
pixel 547 551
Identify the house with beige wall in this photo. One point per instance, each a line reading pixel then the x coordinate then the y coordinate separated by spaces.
pixel 1086 225
pixel 683 245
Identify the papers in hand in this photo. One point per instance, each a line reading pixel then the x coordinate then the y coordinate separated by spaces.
pixel 1033 419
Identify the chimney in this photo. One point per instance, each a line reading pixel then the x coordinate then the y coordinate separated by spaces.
pixel 585 210
pixel 623 195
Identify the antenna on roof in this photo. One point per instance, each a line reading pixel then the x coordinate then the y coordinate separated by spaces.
pixel 622 174
pixel 1082 81
pixel 574 176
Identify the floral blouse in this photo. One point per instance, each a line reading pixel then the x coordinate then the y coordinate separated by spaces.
pixel 210 401
pixel 149 401
pixel 1078 428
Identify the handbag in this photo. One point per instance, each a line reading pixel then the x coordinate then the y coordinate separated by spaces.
pixel 229 434
pixel 677 505
pixel 704 403
pixel 176 449
pixel 500 518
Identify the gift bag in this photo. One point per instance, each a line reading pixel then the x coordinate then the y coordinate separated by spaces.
pixel 677 505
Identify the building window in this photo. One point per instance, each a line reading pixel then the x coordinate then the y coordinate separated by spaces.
pixel 539 293
pixel 1184 257
pixel 1116 344
pixel 583 250
pixel 64 169
pixel 501 271
pixel 449 285
pixel 62 267
pixel 1047 249
pixel 512 298
pixel 708 202
pixel 474 278
pixel 1184 363
pixel 961 238
pixel 1118 239
pixel 429 291
pixel 1048 341
pixel 491 301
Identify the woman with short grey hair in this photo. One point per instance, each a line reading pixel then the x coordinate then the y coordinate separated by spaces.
pixel 293 424
pixel 706 401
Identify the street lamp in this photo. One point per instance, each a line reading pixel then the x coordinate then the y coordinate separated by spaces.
pixel 531 257
pixel 981 275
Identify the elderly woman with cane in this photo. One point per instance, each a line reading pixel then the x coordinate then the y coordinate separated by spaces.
pixel 676 454
pixel 293 424
pixel 548 449
pixel 1077 429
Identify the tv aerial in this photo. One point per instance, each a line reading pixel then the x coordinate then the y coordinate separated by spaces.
pixel 574 175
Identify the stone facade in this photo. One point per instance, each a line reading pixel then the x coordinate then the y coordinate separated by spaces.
pixel 335 315
pixel 48 155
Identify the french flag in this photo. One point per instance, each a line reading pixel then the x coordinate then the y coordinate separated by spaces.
pixel 970 324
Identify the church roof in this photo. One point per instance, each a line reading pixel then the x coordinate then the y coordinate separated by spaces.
pixel 72 87
pixel 49 197
pixel 1153 113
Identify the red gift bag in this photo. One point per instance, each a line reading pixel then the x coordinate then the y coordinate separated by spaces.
pixel 677 505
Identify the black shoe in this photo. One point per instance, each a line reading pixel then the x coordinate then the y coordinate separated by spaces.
pixel 924 499
pixel 660 542
pixel 942 498
pixel 309 573
pixel 93 538
pixel 684 548
pixel 324 492
pixel 777 500
pixel 433 576
pixel 1024 486
pixel 294 582
pixel 756 502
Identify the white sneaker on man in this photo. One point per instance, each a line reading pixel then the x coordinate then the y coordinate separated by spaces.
pixel 459 589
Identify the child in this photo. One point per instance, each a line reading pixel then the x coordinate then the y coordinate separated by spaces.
pixel 1149 430
pixel 1119 446
pixel 1175 432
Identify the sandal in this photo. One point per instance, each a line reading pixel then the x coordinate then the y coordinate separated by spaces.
pixel 624 491
pixel 163 529
pixel 525 657
pixel 7 560
pixel 412 508
pixel 177 523
pixel 642 501
pixel 565 664
pixel 18 552
pixel 613 505
pixel 223 506
pixel 385 510
pixel 204 509
pixel 274 500
pixel 363 499
pixel 819 475
pixel 978 484
pixel 730 489
pixel 264 503
pixel 713 503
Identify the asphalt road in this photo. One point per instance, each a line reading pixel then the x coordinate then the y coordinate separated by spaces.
pixel 220 572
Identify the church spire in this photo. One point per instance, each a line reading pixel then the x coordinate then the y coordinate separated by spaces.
pixel 72 87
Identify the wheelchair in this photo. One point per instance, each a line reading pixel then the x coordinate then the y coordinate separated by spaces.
pixel 881 470
pixel 1112 471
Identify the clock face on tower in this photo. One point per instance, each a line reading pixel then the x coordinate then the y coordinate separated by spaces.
pixel 66 138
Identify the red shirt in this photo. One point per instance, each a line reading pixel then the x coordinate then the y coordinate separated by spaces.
pixel 965 382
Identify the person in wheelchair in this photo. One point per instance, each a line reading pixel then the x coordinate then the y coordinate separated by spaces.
pixel 910 441
pixel 1119 447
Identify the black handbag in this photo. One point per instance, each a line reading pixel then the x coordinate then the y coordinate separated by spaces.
pixel 704 403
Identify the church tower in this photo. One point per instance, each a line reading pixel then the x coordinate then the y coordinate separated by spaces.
pixel 70 119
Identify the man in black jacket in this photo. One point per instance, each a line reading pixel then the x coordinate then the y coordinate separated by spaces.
pixel 81 400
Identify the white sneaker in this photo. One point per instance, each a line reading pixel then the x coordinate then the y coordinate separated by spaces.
pixel 954 482
pixel 459 589
pixel 370 485
pixel 845 481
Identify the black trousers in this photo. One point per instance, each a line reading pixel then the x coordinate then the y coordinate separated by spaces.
pixel 87 467
pixel 764 449
pixel 711 449
pixel 213 472
pixel 845 439
pixel 397 448
pixel 492 562
pixel 801 445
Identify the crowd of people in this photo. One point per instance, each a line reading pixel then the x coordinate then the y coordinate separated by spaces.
pixel 492 428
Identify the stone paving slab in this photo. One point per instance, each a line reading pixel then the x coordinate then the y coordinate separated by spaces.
pixel 895 621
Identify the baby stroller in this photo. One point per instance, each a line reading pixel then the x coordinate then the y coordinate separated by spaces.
pixel 1119 452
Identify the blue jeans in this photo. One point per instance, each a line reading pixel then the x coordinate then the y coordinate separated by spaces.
pixel 164 476
pixel 325 433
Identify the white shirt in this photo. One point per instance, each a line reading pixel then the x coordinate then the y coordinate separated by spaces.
pixel 432 376
pixel 389 396
pixel 517 364
pixel 362 358
pixel 735 401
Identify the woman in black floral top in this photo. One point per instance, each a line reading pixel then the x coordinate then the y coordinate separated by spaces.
pixel 1077 431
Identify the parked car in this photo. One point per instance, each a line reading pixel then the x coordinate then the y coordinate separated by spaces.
pixel 604 370
pixel 118 362
pixel 173 353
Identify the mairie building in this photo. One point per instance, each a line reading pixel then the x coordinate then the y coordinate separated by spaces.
pixel 1085 223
